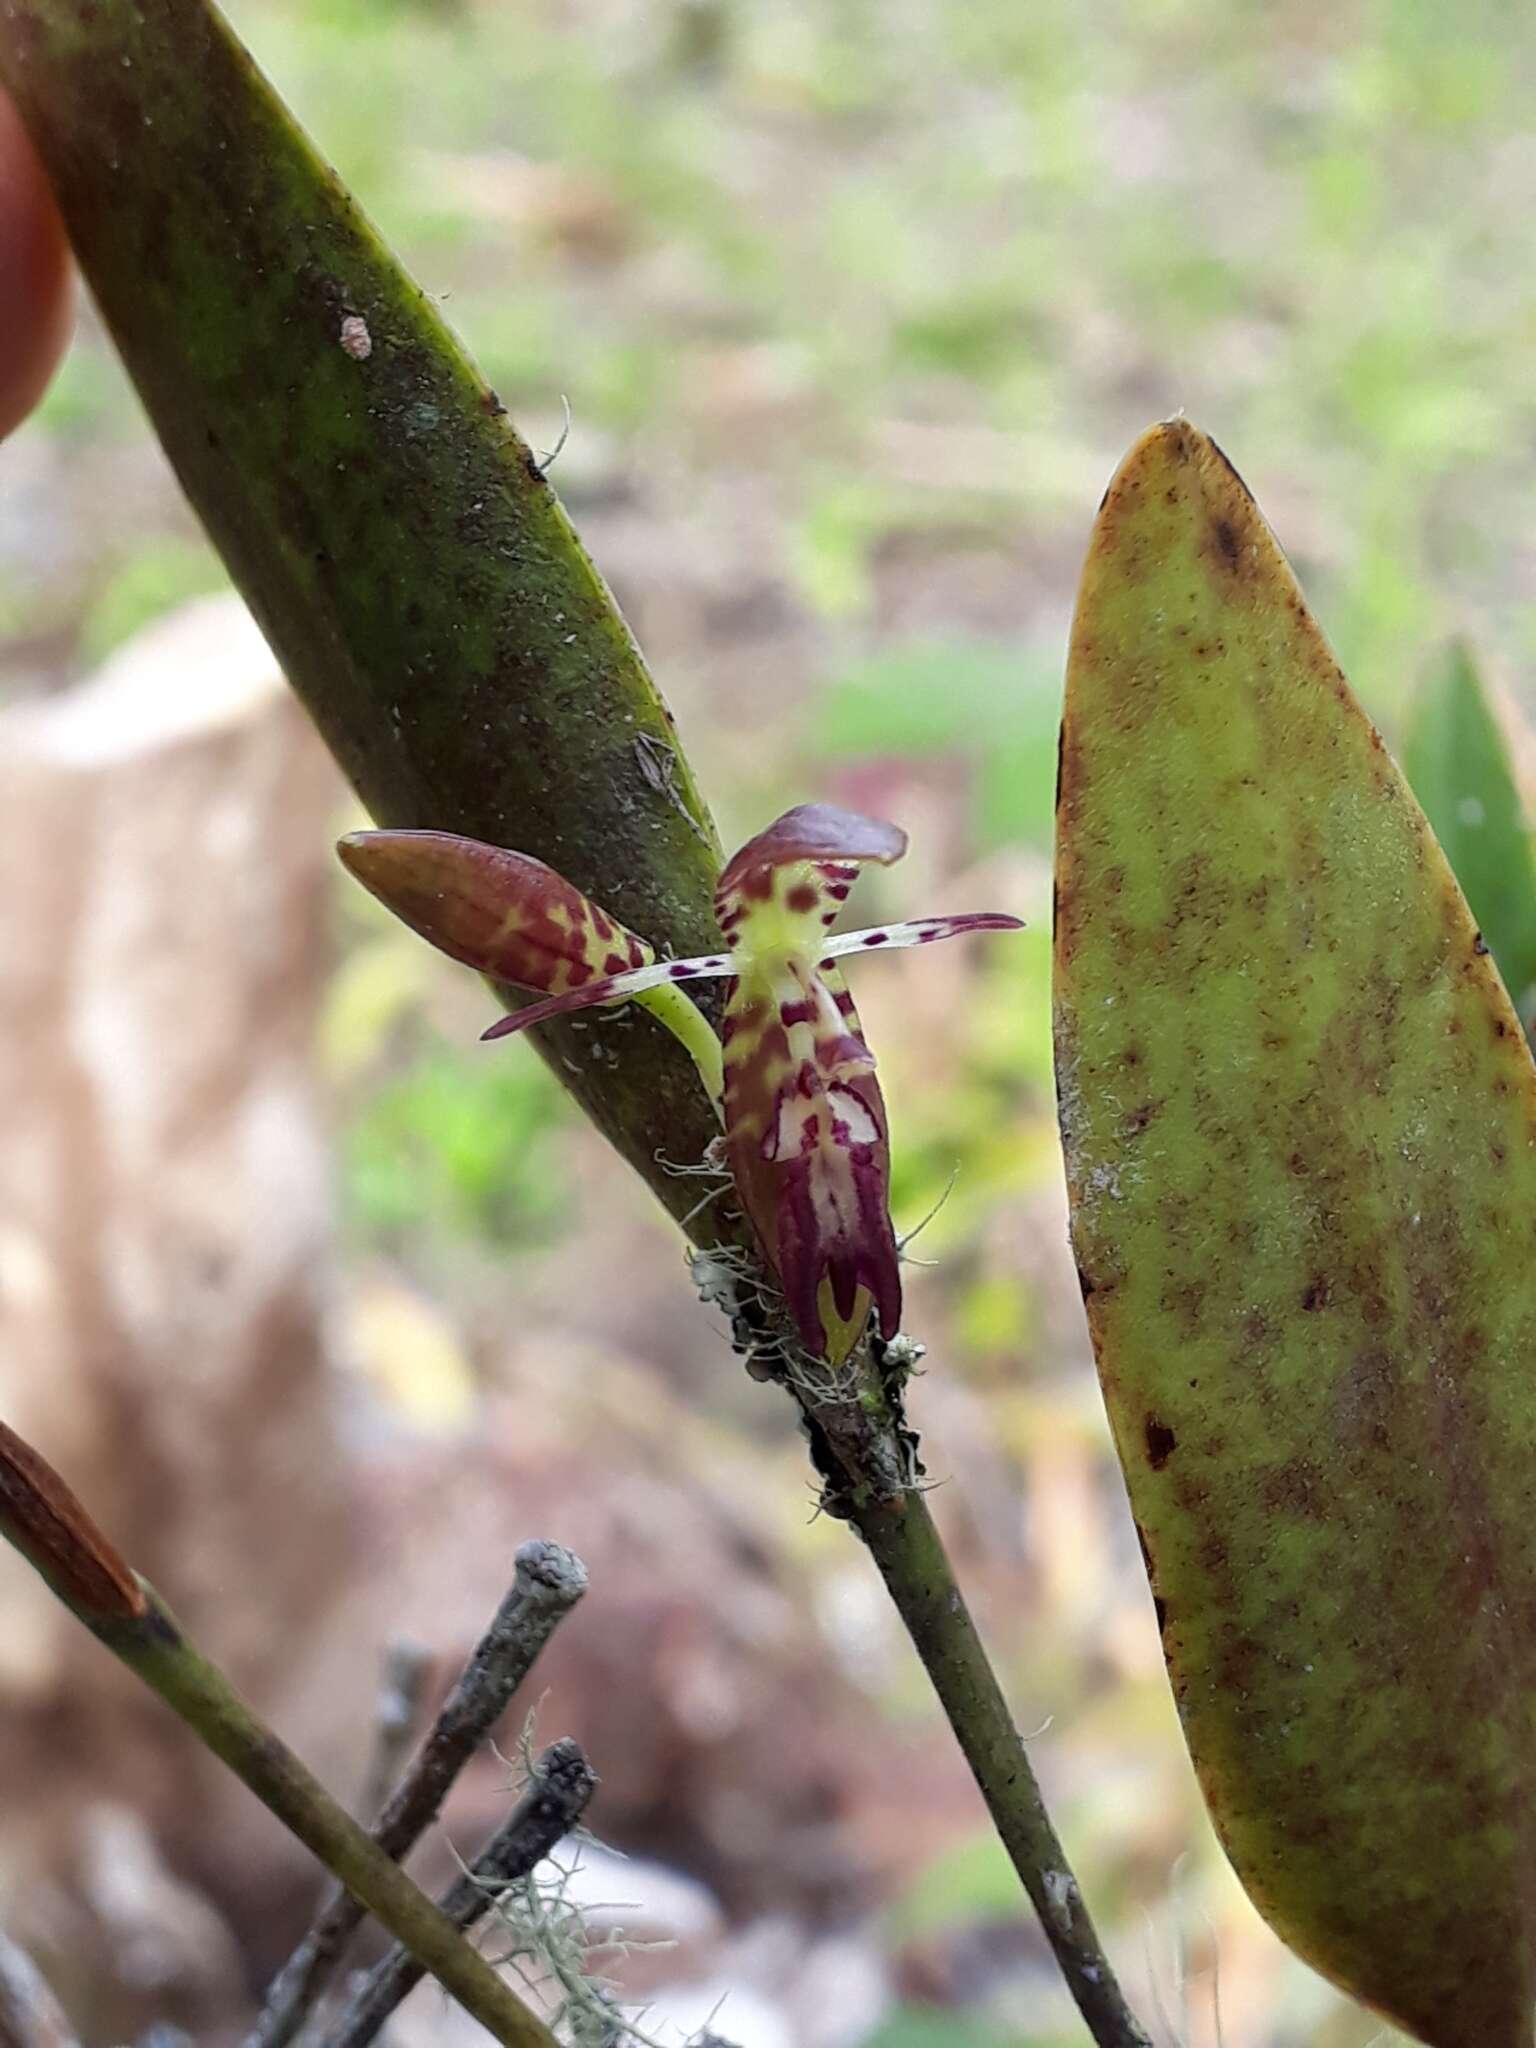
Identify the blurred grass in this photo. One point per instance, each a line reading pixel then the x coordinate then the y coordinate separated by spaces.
pixel 968 254
pixel 444 1145
pixel 856 307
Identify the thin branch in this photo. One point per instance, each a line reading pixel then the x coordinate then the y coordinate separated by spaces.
pixel 29 2013
pixel 46 1522
pixel 561 1783
pixel 403 1676
pixel 867 1457
pixel 548 1583
pixel 911 1559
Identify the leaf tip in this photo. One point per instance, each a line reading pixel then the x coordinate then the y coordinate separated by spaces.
pixel 44 1520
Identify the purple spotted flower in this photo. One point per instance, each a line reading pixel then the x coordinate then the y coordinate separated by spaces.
pixel 805 1125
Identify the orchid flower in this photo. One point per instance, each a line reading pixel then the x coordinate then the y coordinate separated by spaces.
pixel 806 1137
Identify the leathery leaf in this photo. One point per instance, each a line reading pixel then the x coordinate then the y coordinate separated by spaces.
pixel 1300 1128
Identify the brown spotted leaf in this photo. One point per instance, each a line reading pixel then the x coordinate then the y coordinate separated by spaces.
pixel 1300 1128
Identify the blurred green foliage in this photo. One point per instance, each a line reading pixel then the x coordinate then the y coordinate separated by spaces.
pixel 992 708
pixel 445 1145
pixel 1049 225
pixel 152 579
pixel 919 2026
pixel 1458 759
pixel 457 1147
pixel 972 1882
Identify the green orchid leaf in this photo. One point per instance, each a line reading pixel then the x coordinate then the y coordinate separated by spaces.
pixel 1458 760
pixel 1300 1129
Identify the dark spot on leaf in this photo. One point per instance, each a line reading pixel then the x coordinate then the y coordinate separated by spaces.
pixel 1479 944
pixel 1292 1488
pixel 1315 1293
pixel 1160 1441
pixel 1224 533
pixel 1184 1301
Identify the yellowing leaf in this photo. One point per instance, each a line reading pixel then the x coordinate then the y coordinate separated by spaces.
pixel 1300 1126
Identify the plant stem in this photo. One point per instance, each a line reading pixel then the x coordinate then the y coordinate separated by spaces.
pixel 45 1521
pixel 911 1558
pixel 559 1786
pixel 549 1580
pixel 867 1457
pixel 153 1647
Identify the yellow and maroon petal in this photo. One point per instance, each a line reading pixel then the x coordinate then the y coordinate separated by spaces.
pixel 615 988
pixel 918 931
pixel 504 913
pixel 785 889
pixel 808 1148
